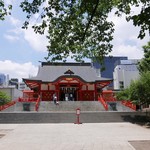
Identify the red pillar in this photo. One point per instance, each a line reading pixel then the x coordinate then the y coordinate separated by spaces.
pixel 95 91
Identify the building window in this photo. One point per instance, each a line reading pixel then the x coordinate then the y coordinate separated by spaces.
pixel 121 84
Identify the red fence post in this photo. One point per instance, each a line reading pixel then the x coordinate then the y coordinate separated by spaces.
pixel 37 104
pixel 103 102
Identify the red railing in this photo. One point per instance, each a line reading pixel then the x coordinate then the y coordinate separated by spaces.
pixel 37 103
pixel 20 99
pixel 36 100
pixel 109 99
pixel 129 104
pixel 100 99
pixel 108 96
pixel 7 105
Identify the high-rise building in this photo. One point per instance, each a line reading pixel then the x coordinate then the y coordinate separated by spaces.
pixel 2 79
pixel 14 82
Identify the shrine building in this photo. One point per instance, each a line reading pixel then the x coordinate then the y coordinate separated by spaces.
pixel 69 81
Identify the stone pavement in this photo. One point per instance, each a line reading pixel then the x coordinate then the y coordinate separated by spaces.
pixel 69 136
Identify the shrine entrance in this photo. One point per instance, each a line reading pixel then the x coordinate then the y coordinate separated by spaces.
pixel 69 81
pixel 68 92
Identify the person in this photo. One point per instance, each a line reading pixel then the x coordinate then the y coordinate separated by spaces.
pixel 71 97
pixel 55 98
pixel 57 103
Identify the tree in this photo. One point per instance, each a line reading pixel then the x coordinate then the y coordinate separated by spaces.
pixel 76 28
pixel 123 94
pixel 4 10
pixel 81 28
pixel 139 90
pixel 144 64
pixel 4 99
pixel 142 19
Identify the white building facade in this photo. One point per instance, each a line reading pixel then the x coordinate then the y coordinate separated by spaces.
pixel 124 73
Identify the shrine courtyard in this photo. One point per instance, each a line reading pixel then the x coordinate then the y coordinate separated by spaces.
pixel 70 136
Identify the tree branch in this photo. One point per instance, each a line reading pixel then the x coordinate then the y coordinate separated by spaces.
pixel 90 20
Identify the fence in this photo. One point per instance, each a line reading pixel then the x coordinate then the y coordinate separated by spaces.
pixel 100 98
pixel 129 104
pixel 7 105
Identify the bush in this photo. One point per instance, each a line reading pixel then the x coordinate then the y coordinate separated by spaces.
pixel 123 95
pixel 4 98
pixel 138 91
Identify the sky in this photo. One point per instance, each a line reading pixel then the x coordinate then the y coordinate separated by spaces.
pixel 21 51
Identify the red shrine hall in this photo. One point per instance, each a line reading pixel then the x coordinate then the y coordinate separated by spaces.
pixel 69 81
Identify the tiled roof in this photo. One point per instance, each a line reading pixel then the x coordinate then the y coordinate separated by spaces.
pixel 49 73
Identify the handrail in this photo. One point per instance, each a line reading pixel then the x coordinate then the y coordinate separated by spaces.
pixel 7 105
pixel 108 96
pixel 37 100
pixel 129 104
pixel 37 103
pixel 110 99
pixel 100 99
pixel 20 99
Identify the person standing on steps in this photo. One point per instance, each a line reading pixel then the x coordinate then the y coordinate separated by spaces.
pixel 57 102
pixel 71 97
pixel 55 98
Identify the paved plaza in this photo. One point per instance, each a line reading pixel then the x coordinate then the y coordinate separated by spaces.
pixel 87 136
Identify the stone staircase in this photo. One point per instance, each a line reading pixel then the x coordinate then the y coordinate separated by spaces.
pixel 18 107
pixel 65 112
pixel 71 106
pixel 70 117
pixel 118 106
pixel 123 108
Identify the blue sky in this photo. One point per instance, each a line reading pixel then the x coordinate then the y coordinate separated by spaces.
pixel 21 50
pixel 17 44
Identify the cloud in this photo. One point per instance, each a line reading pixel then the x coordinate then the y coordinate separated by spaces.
pixel 36 41
pixel 14 34
pixel 14 21
pixel 17 70
pixel 132 52
pixel 11 37
pixel 125 40
pixel 9 2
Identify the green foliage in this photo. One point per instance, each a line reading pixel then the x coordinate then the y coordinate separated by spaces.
pixel 4 10
pixel 133 91
pixel 142 19
pixel 138 91
pixel 4 99
pixel 143 88
pixel 144 64
pixel 76 28
pixel 80 28
pixel 123 95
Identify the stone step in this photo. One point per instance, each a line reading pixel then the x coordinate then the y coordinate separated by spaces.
pixel 18 107
pixel 46 106
pixel 117 106
pixel 71 106
pixel 71 117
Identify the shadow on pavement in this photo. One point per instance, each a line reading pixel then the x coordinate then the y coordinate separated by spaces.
pixel 137 119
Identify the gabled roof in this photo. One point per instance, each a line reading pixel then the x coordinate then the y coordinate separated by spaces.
pixel 50 72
